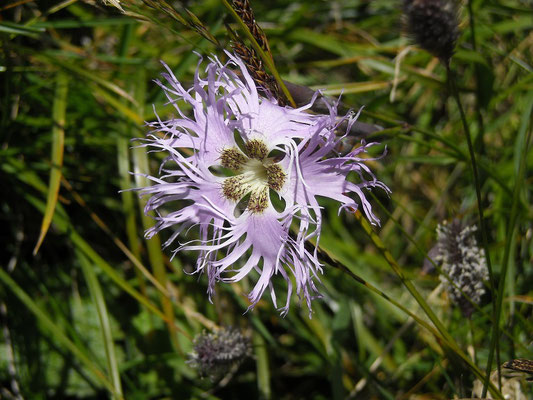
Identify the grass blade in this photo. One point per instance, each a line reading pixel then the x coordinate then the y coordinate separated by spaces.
pixel 54 329
pixel 262 366
pixel 155 254
pixel 58 143
pixel 105 325
pixel 63 225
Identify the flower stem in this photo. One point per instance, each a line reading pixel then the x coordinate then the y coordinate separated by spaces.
pixel 445 338
pixel 478 73
pixel 262 365
pixel 396 268
pixel 494 344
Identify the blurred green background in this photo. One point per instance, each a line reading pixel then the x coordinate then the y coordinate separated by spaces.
pixel 99 312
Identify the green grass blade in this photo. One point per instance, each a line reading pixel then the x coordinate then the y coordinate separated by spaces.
pixel 352 87
pixel 105 325
pixel 80 354
pixel 62 224
pixel 155 252
pixel 128 112
pixel 16 29
pixel 87 75
pixel 58 142
pixel 69 24
pixel 262 366
pixel 521 159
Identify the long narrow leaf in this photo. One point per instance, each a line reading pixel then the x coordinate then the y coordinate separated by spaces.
pixel 58 143
pixel 54 329
pixel 105 325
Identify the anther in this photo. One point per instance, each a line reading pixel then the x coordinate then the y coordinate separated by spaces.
pixel 257 149
pixel 233 159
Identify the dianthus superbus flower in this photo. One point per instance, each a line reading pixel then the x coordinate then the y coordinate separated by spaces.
pixel 231 161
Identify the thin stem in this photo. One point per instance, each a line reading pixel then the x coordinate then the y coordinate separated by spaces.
pixel 495 331
pixel 461 155
pixel 337 264
pixel 265 57
pixel 436 266
pixel 396 268
pixel 446 339
pixel 512 223
pixel 474 353
pixel 478 72
pixel 262 366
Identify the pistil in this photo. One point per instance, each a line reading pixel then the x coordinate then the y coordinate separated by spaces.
pixel 257 174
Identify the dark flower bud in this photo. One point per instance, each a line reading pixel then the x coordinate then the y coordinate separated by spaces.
pixel 215 353
pixel 433 26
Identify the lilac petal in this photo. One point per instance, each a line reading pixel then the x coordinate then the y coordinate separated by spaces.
pixel 234 244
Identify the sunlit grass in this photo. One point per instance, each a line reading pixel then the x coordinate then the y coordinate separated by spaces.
pixel 100 311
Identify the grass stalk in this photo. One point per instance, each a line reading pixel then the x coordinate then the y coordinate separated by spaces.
pixel 443 338
pixel 153 245
pixel 396 268
pixel 97 296
pixel 58 333
pixel 528 118
pixel 269 62
pixel 262 366
pixel 59 109
pixel 494 347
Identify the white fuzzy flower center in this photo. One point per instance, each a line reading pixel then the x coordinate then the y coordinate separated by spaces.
pixel 256 174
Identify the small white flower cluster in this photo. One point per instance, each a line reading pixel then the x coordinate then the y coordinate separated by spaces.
pixel 463 261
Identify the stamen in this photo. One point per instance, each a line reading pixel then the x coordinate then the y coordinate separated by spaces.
pixel 275 176
pixel 257 149
pixel 233 188
pixel 233 159
pixel 258 201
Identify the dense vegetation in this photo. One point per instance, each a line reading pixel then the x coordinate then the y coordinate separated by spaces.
pixel 98 311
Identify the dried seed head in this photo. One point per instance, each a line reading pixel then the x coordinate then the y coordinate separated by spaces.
pixel 244 9
pixel 463 261
pixel 264 81
pixel 215 353
pixel 433 26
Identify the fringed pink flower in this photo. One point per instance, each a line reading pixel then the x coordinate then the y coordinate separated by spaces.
pixel 246 174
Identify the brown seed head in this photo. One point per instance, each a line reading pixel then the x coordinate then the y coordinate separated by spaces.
pixel 433 26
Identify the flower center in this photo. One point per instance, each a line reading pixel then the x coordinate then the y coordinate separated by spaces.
pixel 256 174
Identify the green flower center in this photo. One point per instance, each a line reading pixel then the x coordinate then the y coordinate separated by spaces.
pixel 255 175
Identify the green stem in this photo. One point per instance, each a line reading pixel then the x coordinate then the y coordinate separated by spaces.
pixel 97 296
pixel 265 57
pixel 495 330
pixel 420 300
pixel 450 343
pixel 472 341
pixel 461 155
pixel 510 233
pixel 396 268
pixel 477 70
pixel 262 365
